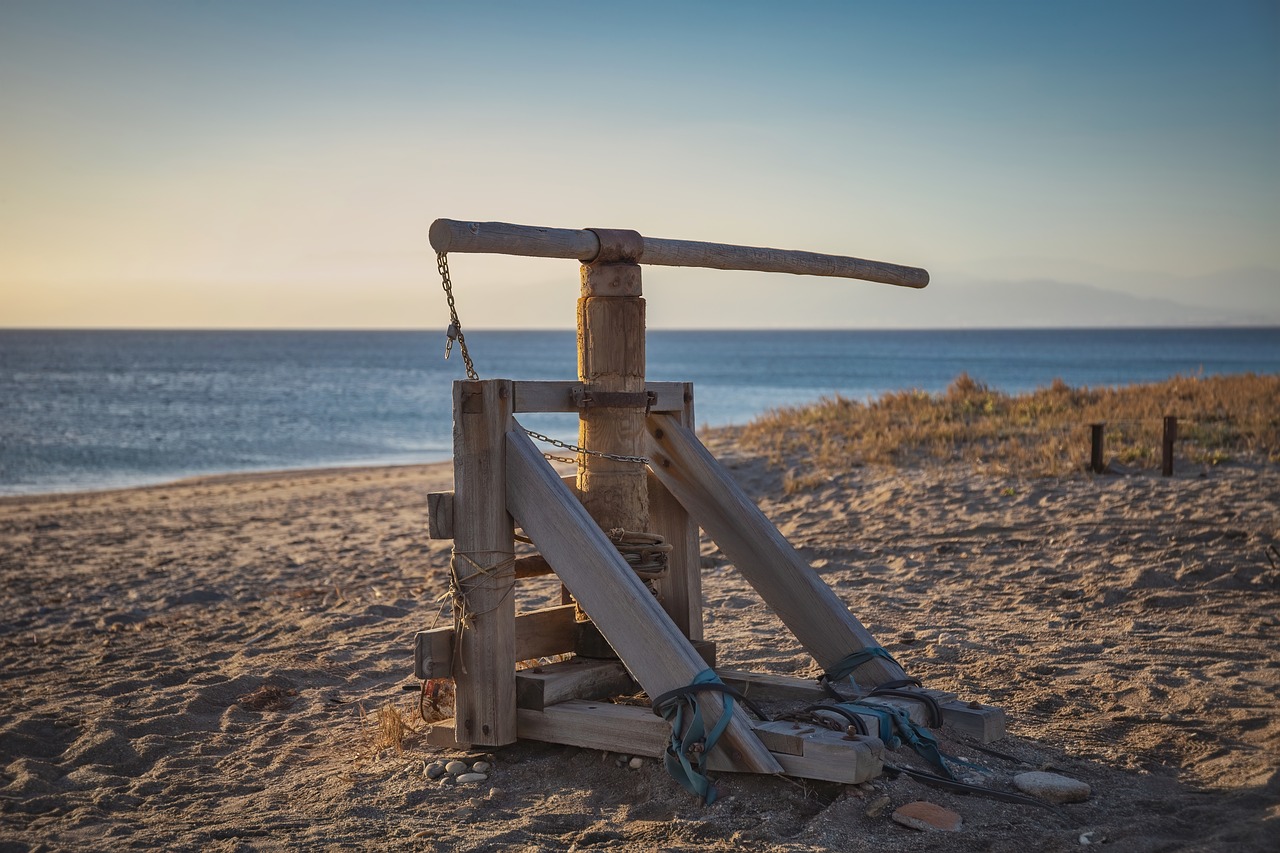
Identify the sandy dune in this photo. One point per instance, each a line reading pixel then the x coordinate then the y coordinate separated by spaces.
pixel 1128 625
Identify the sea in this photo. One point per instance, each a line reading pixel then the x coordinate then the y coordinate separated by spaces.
pixel 86 410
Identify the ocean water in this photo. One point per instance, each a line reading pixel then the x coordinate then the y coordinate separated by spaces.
pixel 100 409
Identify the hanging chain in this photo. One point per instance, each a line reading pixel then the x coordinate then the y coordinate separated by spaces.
pixel 573 448
pixel 455 327
pixel 454 333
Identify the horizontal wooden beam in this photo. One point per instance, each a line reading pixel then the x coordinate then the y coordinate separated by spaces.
pixel 576 678
pixel 539 634
pixel 504 238
pixel 806 752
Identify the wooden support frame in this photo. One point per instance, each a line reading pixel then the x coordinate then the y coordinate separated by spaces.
pixel 624 610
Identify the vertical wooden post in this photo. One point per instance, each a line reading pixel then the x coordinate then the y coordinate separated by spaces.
pixel 611 356
pixel 1166 445
pixel 680 592
pixel 483 570
pixel 1096 464
pixel 611 362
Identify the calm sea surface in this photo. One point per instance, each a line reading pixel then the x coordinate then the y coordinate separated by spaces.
pixel 99 409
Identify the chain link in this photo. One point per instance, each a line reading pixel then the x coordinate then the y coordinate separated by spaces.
pixel 455 327
pixel 573 448
pixel 455 334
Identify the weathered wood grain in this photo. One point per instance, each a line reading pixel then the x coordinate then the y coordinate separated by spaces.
pixel 804 603
pixel 623 609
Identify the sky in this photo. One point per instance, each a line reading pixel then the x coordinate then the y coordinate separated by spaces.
pixel 250 163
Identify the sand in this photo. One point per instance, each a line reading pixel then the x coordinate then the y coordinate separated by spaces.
pixel 1128 625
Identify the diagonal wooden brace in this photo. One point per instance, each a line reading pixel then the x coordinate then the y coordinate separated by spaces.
pixel 788 584
pixel 624 610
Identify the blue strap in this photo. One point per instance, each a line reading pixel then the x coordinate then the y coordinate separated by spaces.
pixel 692 775
pixel 850 662
pixel 896 723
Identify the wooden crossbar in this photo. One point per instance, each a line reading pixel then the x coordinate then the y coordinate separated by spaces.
pixel 504 238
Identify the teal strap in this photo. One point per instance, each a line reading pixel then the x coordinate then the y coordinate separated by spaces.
pixel 896 724
pixel 844 669
pixel 687 729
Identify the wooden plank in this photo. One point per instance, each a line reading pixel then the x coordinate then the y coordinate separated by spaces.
pixel 443 734
pixel 680 591
pixel 812 752
pixel 624 610
pixel 788 688
pixel 504 238
pixel 538 634
pixel 809 752
pixel 576 678
pixel 484 612
pixel 532 566
pixel 985 723
pixel 433 653
pixel 554 396
pixel 805 604
pixel 440 515
pixel 627 729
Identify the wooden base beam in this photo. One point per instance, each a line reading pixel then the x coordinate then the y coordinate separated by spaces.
pixel 807 752
pixel 985 723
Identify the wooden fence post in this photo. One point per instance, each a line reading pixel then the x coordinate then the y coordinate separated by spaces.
pixel 1096 463
pixel 1166 445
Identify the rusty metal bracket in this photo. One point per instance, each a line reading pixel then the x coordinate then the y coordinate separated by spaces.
pixel 585 398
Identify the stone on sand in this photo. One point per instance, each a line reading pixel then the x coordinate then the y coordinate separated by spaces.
pixel 927 817
pixel 1052 787
pixel 453 768
pixel 468 778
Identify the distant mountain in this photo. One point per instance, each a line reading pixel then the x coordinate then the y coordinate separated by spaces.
pixel 1046 302
pixel 1252 290
pixel 1232 298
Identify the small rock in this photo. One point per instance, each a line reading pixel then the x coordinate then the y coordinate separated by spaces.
pixel 468 778
pixel 481 767
pixel 1052 787
pixel 636 763
pixel 453 768
pixel 494 794
pixel 927 817
pixel 464 813
pixel 435 771
pixel 878 805
pixel 1093 836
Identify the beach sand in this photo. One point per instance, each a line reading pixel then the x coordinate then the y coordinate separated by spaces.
pixel 1127 625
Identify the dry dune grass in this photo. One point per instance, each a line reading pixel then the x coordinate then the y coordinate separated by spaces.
pixel 1041 433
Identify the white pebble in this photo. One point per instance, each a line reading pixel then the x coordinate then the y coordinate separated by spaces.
pixel 453 768
pixel 481 767
pixel 467 778
pixel 636 763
